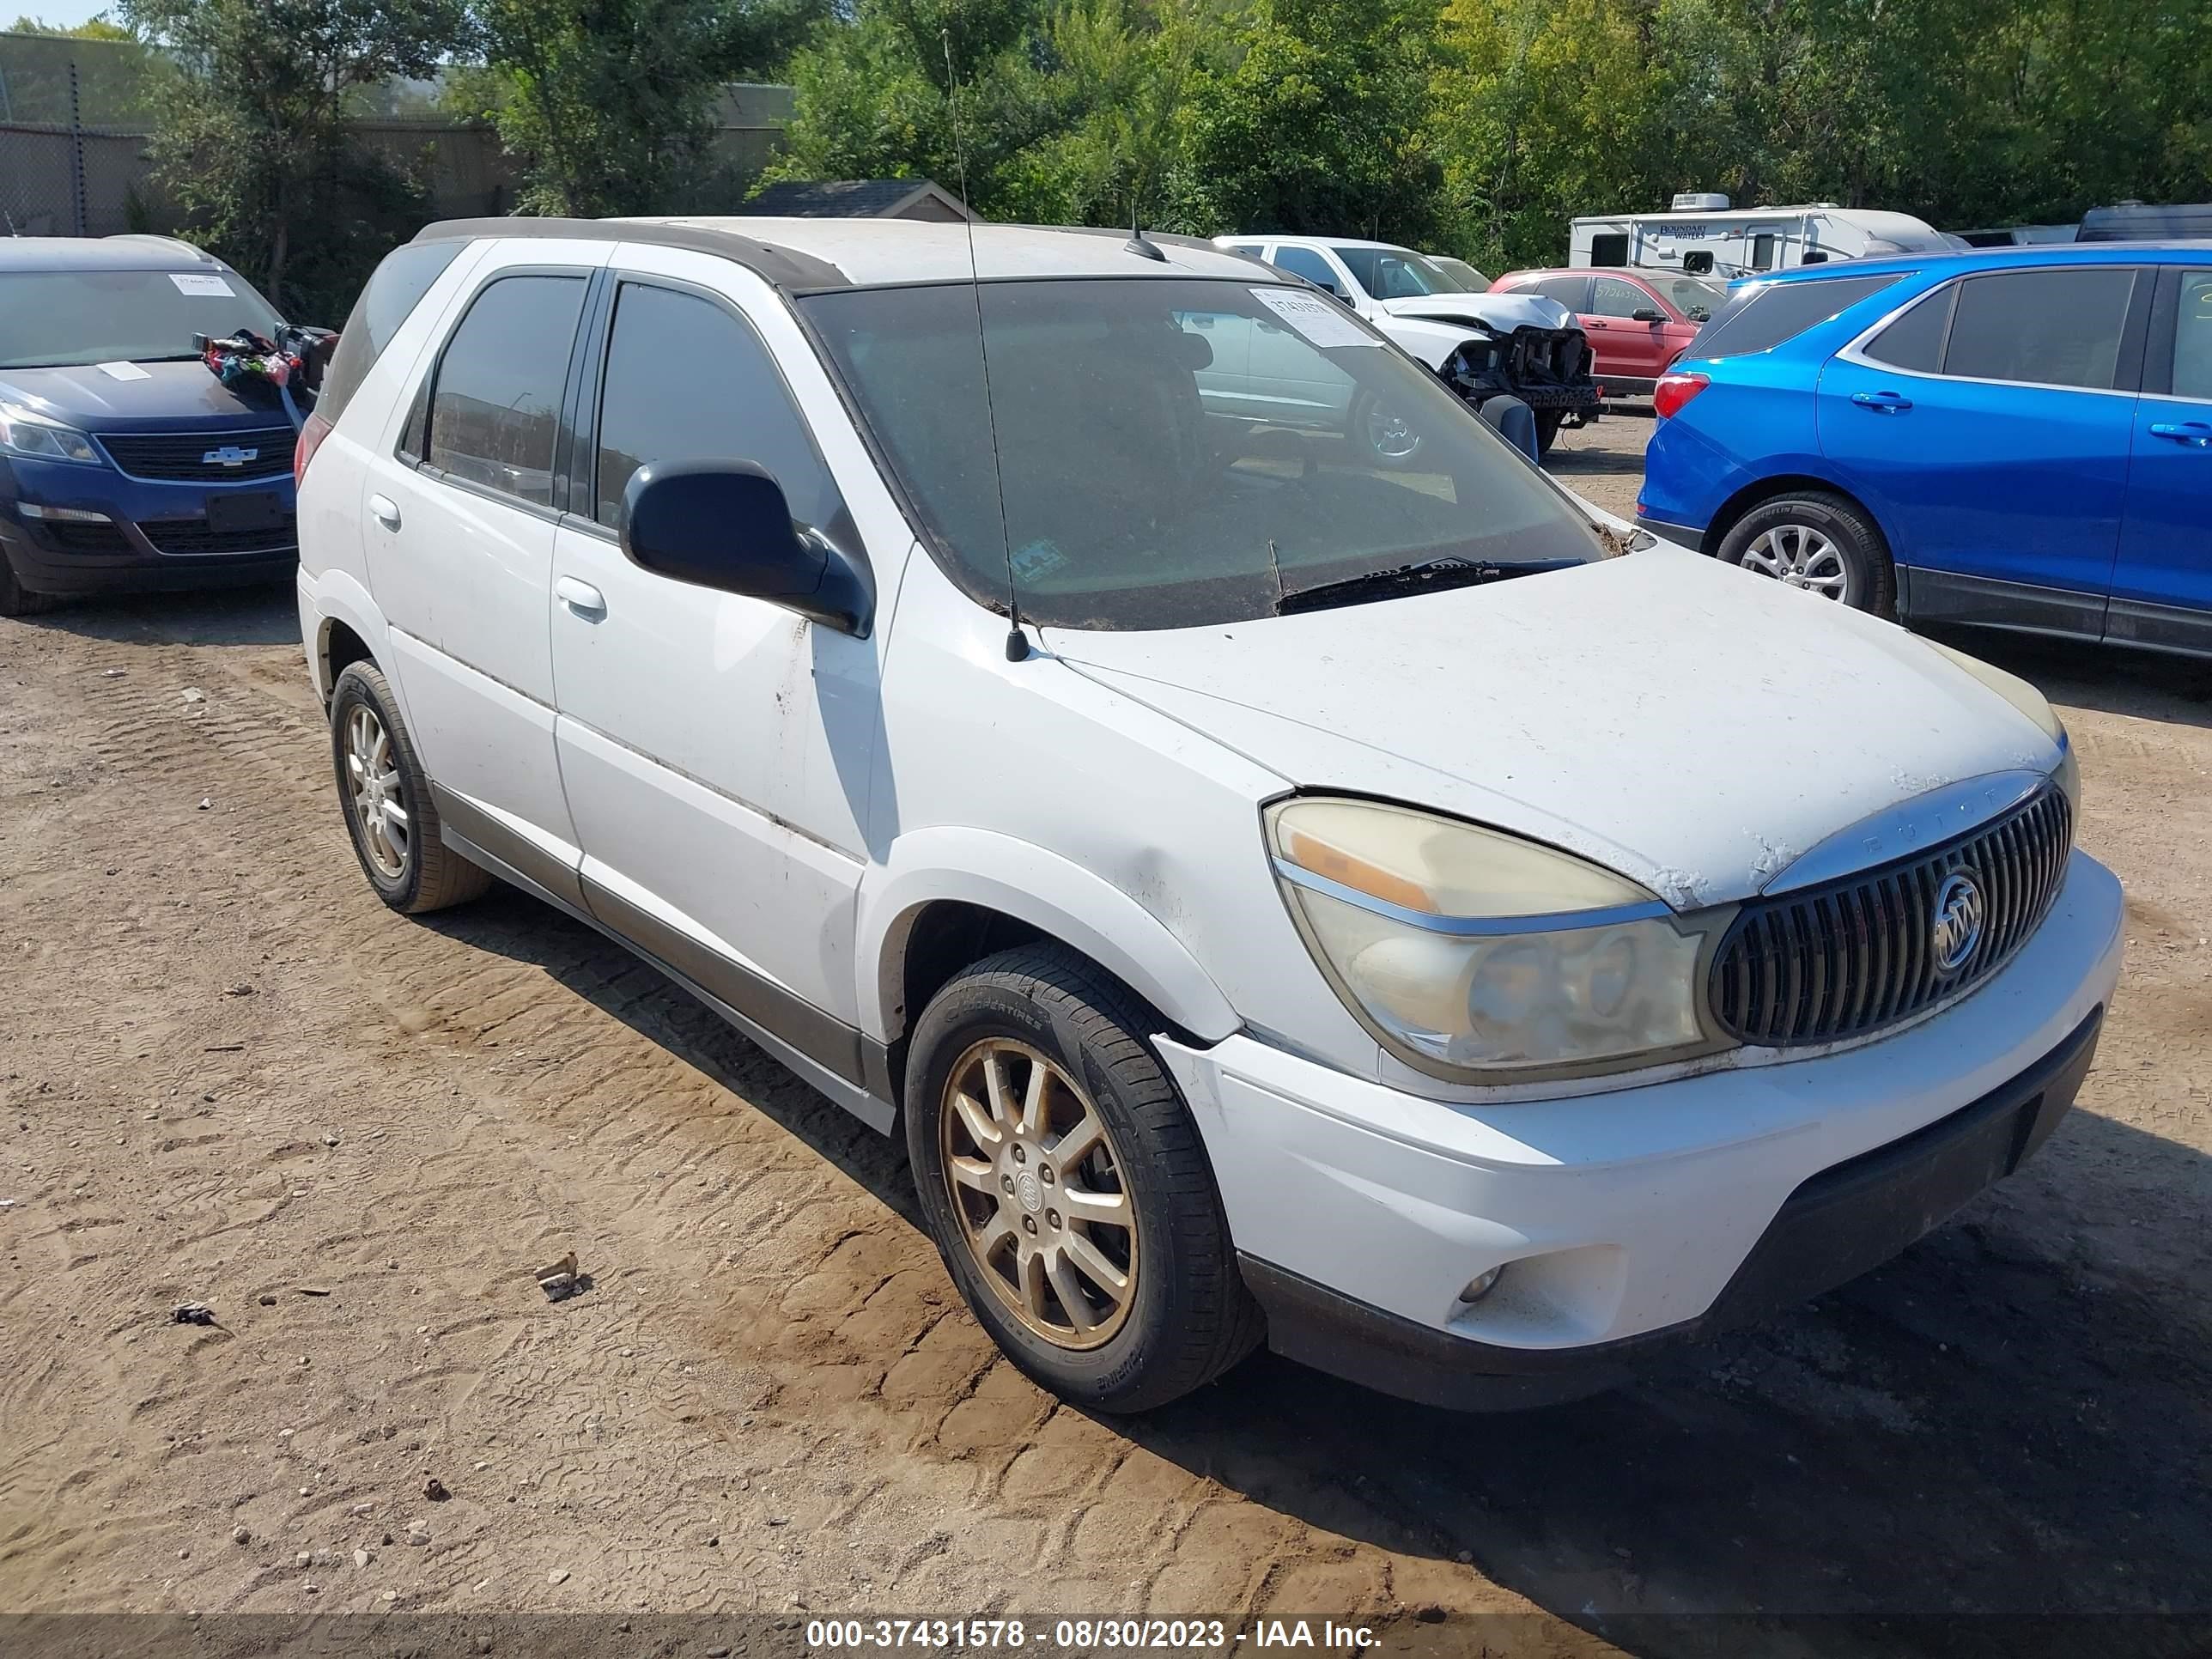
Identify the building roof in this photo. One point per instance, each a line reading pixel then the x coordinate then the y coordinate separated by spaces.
pixel 804 254
pixel 101 253
pixel 849 198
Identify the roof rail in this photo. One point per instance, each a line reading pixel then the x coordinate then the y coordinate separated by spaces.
pixel 784 268
pixel 176 242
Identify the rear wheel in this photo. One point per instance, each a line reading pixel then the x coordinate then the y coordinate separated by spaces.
pixel 1821 543
pixel 1384 435
pixel 1066 1185
pixel 388 804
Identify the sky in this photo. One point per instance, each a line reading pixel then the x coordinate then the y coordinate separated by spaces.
pixel 60 14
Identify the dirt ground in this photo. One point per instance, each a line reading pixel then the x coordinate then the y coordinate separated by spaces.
pixel 230 1077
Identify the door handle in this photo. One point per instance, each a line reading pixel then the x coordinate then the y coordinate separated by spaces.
pixel 1882 403
pixel 2196 433
pixel 386 511
pixel 581 598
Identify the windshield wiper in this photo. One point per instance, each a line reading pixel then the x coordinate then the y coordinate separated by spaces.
pixel 1430 576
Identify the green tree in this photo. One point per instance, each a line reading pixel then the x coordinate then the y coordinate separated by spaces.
pixel 1320 123
pixel 608 105
pixel 252 142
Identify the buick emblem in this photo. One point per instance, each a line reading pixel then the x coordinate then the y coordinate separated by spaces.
pixel 1955 928
pixel 229 455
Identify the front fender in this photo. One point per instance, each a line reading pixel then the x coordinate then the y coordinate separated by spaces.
pixel 1034 885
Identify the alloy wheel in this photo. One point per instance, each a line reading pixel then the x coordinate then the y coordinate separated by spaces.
pixel 1036 1185
pixel 380 802
pixel 1798 555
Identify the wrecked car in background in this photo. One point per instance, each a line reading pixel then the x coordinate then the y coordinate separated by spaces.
pixel 1482 343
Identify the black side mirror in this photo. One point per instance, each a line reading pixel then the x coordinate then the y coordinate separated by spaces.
pixel 1646 314
pixel 725 524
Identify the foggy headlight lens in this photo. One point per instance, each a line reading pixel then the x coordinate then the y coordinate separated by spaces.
pixel 1466 951
pixel 23 432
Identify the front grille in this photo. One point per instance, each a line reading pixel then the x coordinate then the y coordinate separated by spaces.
pixel 1859 954
pixel 195 536
pixel 181 456
pixel 79 536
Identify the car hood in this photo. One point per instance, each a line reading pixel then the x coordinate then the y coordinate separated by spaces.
pixel 182 397
pixel 1503 312
pixel 1693 727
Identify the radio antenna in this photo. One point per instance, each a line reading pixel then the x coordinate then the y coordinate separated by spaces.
pixel 1018 643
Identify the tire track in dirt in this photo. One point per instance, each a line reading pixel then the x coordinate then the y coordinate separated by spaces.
pixel 769 1339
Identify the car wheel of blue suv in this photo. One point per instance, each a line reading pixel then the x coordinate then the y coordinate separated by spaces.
pixel 1822 543
pixel 17 600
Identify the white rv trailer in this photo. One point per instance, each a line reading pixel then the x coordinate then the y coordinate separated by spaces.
pixel 1702 233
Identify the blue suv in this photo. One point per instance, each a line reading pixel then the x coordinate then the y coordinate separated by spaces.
pixel 2016 438
pixel 124 464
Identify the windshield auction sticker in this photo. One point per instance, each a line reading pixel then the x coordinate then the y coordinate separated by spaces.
pixel 1323 322
pixel 213 287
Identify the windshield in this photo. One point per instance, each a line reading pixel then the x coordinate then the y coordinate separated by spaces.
pixel 56 319
pixel 1695 297
pixel 1397 273
pixel 1470 281
pixel 1176 452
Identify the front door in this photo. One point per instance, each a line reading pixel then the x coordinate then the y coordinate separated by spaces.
pixel 716 748
pixel 459 525
pixel 1988 427
pixel 2162 581
pixel 1626 347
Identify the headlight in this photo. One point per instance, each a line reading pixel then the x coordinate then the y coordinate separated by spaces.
pixel 23 432
pixel 1478 956
pixel 2037 707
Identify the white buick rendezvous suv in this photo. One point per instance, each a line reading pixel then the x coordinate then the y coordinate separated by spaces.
pixel 1282 893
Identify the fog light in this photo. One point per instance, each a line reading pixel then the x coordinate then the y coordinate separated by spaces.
pixel 1481 1285
pixel 61 514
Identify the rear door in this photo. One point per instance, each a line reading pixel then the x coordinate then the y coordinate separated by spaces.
pixel 2162 580
pixel 1988 426
pixel 459 524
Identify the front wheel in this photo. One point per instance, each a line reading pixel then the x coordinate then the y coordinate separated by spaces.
pixel 1548 421
pixel 1065 1186
pixel 1384 435
pixel 15 599
pixel 1821 543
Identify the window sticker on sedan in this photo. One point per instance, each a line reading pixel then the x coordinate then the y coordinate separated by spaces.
pixel 1322 321
pixel 210 288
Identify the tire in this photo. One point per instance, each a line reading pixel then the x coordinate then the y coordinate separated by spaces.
pixel 1548 421
pixel 1819 541
pixel 423 874
pixel 1382 437
pixel 17 600
pixel 1183 1316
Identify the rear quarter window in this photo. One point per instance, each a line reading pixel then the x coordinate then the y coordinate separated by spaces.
pixel 394 290
pixel 1764 315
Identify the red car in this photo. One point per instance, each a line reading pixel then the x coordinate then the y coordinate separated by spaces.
pixel 1637 321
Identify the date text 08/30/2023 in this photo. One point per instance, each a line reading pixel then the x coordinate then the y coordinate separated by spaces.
pixel 1190 1635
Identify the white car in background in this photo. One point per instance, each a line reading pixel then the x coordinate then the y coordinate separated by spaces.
pixel 1482 343
pixel 1279 896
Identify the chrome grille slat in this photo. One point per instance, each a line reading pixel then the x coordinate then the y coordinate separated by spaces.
pixel 1854 956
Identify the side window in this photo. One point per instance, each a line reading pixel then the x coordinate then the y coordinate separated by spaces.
pixel 1304 262
pixel 1252 248
pixel 1611 297
pixel 1915 341
pixel 1760 316
pixel 688 382
pixel 496 406
pixel 1762 251
pixel 1573 292
pixel 2192 337
pixel 2052 327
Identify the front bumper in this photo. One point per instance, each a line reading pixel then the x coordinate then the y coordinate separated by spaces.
pixel 158 536
pixel 1643 1215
